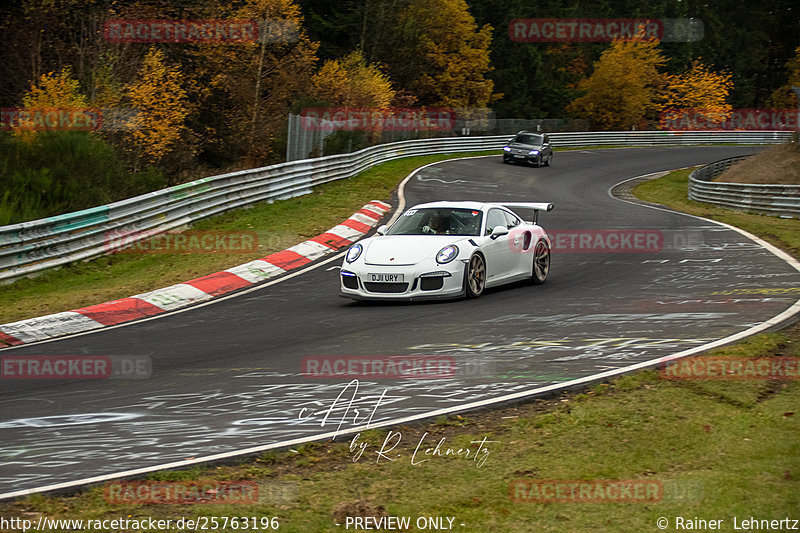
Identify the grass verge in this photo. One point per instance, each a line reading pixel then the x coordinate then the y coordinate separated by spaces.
pixel 719 450
pixel 278 226
pixel 777 165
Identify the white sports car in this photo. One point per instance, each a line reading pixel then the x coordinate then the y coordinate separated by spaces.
pixel 448 250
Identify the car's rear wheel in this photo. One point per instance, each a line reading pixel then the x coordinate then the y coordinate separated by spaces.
pixel 475 276
pixel 541 263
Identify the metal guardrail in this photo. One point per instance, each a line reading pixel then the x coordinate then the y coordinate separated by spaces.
pixel 775 200
pixel 31 247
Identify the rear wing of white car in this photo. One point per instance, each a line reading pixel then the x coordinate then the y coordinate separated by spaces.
pixel 535 206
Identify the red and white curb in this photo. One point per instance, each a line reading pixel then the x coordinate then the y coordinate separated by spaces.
pixel 195 290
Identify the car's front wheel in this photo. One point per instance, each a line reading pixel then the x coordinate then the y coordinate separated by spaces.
pixel 541 263
pixel 549 160
pixel 475 276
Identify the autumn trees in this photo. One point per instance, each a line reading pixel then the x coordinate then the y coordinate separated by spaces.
pixel 202 107
pixel 435 51
pixel 229 101
pixel 202 103
pixel 445 55
pixel 161 106
pixel 623 87
pixel 225 104
pixel 352 82
pixel 628 88
pixel 698 88
pixel 784 96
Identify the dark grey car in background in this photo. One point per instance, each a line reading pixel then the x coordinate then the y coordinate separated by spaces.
pixel 529 147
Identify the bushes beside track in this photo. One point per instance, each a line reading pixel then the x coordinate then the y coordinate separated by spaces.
pixel 58 172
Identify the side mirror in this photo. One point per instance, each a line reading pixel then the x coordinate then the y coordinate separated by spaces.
pixel 382 229
pixel 498 231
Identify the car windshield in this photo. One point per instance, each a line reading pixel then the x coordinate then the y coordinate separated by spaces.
pixel 438 221
pixel 528 139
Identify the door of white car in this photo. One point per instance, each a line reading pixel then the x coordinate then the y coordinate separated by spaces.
pixel 521 261
pixel 501 258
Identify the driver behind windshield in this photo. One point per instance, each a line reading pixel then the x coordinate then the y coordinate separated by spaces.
pixel 436 224
pixel 434 221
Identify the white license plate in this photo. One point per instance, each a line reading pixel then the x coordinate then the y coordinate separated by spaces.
pixel 517 155
pixel 387 278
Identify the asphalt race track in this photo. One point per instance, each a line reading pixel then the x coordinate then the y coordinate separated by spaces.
pixel 227 376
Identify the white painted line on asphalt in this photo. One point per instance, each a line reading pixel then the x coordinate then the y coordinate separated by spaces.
pixel 761 242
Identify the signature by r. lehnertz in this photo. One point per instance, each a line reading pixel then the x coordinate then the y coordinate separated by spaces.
pixel 477 451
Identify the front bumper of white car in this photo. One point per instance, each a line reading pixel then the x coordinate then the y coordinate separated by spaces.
pixel 381 282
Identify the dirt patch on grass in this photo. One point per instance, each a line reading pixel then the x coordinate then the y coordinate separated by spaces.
pixel 777 165
pixel 360 508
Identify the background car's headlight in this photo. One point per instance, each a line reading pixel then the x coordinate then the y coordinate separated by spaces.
pixel 506 148
pixel 533 152
pixel 354 252
pixel 447 254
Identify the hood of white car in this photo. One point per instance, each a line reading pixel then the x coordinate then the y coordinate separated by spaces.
pixel 405 249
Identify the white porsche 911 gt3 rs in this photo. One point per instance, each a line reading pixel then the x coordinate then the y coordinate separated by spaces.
pixel 448 250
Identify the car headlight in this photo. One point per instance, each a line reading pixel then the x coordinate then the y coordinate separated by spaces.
pixel 506 148
pixel 354 252
pixel 447 254
pixel 533 152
